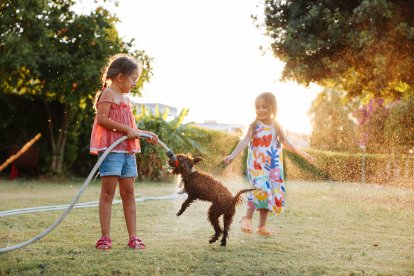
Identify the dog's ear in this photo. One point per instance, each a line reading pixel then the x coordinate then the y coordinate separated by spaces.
pixel 197 160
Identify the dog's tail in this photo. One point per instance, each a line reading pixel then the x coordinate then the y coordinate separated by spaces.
pixel 237 199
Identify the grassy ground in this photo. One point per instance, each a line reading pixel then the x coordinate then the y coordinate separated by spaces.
pixel 327 228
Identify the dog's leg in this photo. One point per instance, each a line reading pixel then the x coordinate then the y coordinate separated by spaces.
pixel 227 220
pixel 185 204
pixel 213 217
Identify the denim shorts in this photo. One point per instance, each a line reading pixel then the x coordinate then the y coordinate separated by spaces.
pixel 119 164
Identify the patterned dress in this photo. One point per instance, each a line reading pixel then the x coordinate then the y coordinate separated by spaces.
pixel 265 170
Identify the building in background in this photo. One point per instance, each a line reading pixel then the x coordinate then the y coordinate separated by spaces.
pixel 151 107
pixel 231 128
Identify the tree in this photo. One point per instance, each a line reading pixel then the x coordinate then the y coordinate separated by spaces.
pixel 364 47
pixel 50 52
pixel 372 118
pixel 399 127
pixel 334 136
pixel 333 128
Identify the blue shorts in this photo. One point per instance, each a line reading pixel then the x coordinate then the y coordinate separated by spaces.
pixel 119 164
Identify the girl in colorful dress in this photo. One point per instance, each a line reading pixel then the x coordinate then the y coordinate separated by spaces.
pixel 113 120
pixel 265 138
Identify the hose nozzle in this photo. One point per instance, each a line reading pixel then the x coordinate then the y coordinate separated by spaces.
pixel 169 152
pixel 171 155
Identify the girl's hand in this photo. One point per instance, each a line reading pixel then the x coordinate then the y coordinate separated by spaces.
pixel 308 157
pixel 153 139
pixel 132 133
pixel 228 159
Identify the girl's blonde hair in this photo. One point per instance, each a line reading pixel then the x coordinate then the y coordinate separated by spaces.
pixel 271 104
pixel 270 101
pixel 118 64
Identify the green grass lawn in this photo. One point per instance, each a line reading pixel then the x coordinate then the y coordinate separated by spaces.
pixel 327 228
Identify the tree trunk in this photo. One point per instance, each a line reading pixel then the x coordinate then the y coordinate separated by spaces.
pixel 406 167
pixel 57 144
pixel 388 170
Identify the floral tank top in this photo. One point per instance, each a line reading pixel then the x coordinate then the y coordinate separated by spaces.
pixel 102 138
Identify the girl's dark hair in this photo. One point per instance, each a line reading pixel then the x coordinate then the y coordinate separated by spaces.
pixel 118 64
pixel 271 105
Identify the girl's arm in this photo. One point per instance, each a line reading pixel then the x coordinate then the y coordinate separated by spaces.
pixel 240 147
pixel 290 147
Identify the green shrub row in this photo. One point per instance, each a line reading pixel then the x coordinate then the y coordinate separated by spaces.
pixel 351 167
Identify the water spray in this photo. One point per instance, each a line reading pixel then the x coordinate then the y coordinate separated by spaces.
pixel 169 153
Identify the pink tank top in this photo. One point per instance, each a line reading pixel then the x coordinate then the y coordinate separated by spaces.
pixel 102 138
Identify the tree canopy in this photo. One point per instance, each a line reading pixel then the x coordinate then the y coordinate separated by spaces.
pixel 399 127
pixel 49 52
pixel 332 127
pixel 365 47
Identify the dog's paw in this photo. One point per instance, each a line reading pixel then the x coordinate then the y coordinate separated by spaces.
pixel 213 239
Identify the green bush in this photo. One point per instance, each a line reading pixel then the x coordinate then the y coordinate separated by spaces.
pixel 211 145
pixel 351 167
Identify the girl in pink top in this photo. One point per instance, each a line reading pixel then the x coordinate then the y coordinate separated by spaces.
pixel 113 120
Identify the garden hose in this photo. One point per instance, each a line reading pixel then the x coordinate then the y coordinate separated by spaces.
pixel 169 153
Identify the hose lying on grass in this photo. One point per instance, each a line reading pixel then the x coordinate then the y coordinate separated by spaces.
pixel 169 153
pixel 80 205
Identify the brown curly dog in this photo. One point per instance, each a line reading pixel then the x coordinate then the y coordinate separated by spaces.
pixel 199 185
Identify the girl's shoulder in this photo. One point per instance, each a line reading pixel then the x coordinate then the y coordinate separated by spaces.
pixel 110 96
pixel 107 96
pixel 127 100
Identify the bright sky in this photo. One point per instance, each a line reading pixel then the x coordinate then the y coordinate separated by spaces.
pixel 207 58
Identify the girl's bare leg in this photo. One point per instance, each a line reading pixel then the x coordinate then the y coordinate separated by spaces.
pixel 246 221
pixel 126 190
pixel 249 213
pixel 108 187
pixel 263 217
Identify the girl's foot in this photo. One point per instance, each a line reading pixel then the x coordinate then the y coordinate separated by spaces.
pixel 264 231
pixel 104 243
pixel 136 243
pixel 246 225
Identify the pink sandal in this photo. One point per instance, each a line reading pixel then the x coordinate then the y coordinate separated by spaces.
pixel 136 243
pixel 246 225
pixel 264 231
pixel 104 243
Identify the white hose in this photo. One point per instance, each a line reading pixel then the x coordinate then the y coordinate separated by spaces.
pixel 78 195
pixel 79 205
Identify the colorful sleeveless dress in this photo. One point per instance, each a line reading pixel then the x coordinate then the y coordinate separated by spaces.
pixel 265 170
pixel 102 138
